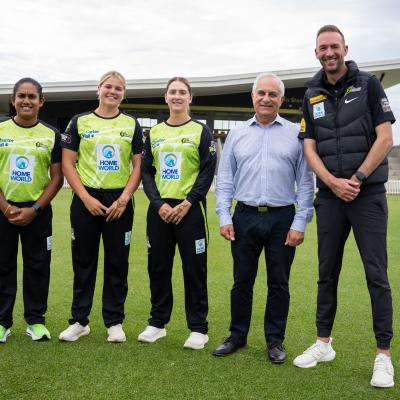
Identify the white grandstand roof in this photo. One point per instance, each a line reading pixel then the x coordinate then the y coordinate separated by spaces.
pixel 388 71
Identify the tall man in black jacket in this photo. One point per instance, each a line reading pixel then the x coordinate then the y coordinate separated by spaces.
pixel 347 135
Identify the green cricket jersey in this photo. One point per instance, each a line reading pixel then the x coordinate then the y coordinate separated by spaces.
pixel 179 162
pixel 26 154
pixel 104 147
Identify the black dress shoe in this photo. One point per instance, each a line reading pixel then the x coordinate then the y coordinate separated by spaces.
pixel 276 353
pixel 227 348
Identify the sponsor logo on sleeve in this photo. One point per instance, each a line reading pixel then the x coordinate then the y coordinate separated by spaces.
pixel 303 126
pixel 318 110
pixel 213 147
pixel 49 242
pixel 385 105
pixel 66 138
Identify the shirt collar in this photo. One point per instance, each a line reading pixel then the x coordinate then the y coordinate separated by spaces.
pixel 253 121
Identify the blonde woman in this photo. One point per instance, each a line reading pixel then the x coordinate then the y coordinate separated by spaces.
pixel 98 148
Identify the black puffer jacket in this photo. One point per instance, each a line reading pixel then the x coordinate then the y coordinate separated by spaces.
pixel 343 126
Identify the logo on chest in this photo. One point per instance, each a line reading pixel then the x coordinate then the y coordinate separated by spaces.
pixel 21 168
pixel 170 166
pixel 108 158
pixel 318 110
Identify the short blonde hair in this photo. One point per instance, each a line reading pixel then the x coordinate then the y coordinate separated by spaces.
pixel 115 74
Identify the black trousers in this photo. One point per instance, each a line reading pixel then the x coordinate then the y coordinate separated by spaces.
pixel 86 232
pixel 36 254
pixel 367 216
pixel 255 231
pixel 191 235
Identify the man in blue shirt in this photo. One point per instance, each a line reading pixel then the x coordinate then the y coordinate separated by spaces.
pixel 263 168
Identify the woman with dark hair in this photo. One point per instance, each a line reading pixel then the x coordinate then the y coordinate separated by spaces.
pixel 177 171
pixel 30 177
pixel 99 149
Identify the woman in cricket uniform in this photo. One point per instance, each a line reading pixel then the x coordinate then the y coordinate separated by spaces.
pixel 177 170
pixel 30 177
pixel 102 154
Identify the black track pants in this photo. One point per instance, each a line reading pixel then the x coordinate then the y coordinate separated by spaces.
pixel 36 254
pixel 367 216
pixel 86 232
pixel 191 237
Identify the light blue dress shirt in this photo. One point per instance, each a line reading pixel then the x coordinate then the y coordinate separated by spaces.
pixel 265 165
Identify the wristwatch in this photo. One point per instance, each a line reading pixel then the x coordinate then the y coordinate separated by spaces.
pixel 360 176
pixel 37 207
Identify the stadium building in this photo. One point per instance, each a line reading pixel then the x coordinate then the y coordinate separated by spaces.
pixel 220 101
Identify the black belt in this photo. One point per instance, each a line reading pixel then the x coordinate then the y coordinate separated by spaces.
pixel 262 208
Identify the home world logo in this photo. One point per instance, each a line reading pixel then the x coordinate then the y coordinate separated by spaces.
pixel 170 166
pixel 21 168
pixel 108 158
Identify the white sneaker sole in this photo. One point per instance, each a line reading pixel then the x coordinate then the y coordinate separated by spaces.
pixel 36 338
pixel 379 385
pixel 6 335
pixel 152 339
pixel 193 346
pixel 329 357
pixel 116 340
pixel 85 332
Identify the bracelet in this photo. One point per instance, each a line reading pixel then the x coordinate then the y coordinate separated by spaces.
pixel 5 212
pixel 121 203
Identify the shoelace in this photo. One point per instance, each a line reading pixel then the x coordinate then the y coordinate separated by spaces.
pixel 383 365
pixel 315 351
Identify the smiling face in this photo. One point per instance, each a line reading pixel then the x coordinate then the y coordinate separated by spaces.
pixel 267 99
pixel 331 51
pixel 27 103
pixel 178 97
pixel 111 93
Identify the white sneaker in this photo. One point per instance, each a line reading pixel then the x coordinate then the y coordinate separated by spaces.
pixel 315 354
pixel 74 332
pixel 383 372
pixel 116 334
pixel 151 334
pixel 196 341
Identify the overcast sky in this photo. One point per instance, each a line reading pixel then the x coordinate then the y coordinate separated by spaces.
pixel 75 40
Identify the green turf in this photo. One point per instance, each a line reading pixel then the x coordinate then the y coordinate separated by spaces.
pixel 95 369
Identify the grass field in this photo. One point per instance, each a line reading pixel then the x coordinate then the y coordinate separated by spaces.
pixel 94 369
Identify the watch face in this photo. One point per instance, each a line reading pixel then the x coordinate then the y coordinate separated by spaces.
pixel 37 208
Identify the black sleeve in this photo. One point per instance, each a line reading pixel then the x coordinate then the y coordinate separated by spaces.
pixel 70 139
pixel 208 159
pixel 306 127
pixel 379 103
pixel 56 152
pixel 137 140
pixel 148 174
